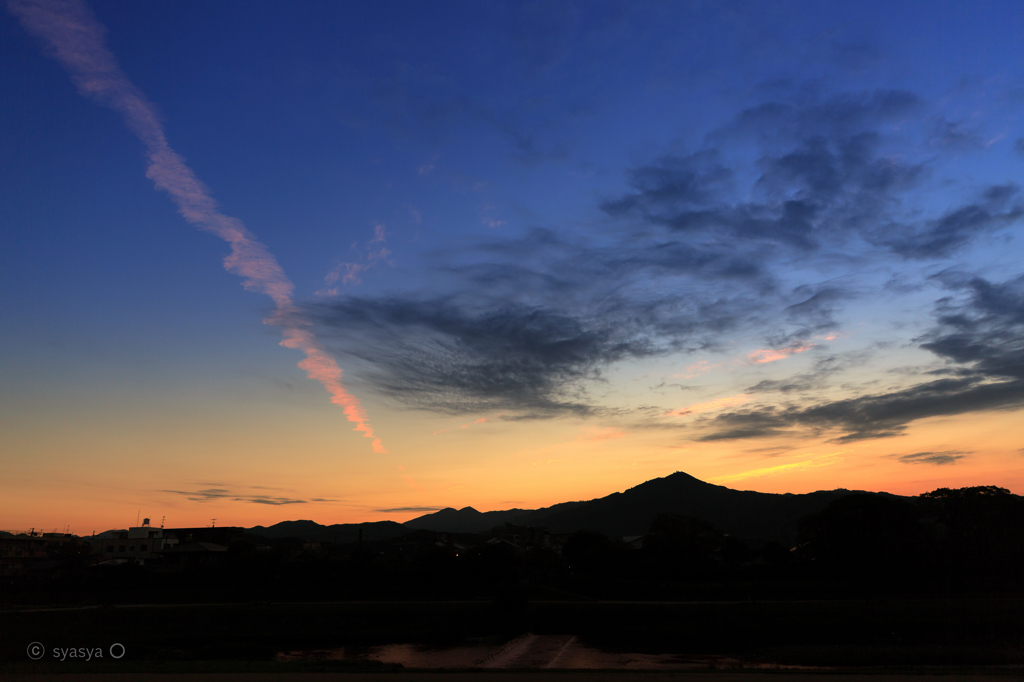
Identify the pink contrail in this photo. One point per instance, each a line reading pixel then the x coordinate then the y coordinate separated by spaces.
pixel 75 38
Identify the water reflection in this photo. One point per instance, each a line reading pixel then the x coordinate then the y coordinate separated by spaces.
pixel 526 651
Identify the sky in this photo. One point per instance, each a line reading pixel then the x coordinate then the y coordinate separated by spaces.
pixel 264 261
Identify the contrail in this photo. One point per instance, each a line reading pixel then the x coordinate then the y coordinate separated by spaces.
pixel 75 38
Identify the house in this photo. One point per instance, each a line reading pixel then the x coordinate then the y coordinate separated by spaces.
pixel 20 552
pixel 146 544
pixel 35 553
pixel 136 545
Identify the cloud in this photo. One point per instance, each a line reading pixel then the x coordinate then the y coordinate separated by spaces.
pixel 543 258
pixel 832 178
pixel 984 329
pixel 979 332
pixel 761 423
pixel 955 135
pixel 825 175
pixel 696 369
pixel 813 463
pixel 375 252
pixel 954 229
pixel 680 184
pixel 711 405
pixel 817 378
pixel 764 355
pixel 697 246
pixel 75 39
pixel 939 458
pixel 873 416
pixel 527 324
pixel 445 357
pixel 214 494
pixel 816 313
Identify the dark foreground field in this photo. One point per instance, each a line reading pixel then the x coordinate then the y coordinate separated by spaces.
pixel 960 634
pixel 873 584
pixel 537 676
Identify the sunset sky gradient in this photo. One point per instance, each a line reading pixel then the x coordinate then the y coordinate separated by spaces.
pixel 502 254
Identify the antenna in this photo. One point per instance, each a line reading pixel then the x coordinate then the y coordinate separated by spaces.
pixel 213 523
pixel 137 515
pixel 162 521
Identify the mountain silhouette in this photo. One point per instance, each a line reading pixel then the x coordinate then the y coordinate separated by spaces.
pixel 339 533
pixel 465 520
pixel 745 514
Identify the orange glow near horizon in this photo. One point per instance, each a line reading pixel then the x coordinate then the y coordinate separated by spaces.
pixel 508 465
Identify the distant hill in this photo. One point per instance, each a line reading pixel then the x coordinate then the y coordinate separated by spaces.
pixel 339 533
pixel 746 514
pixel 469 520
pixel 113 533
pixel 743 513
pixel 465 520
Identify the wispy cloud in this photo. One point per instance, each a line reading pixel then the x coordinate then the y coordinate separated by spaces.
pixel 712 405
pixel 944 457
pixel 812 463
pixel 216 494
pixel 872 416
pixel 441 356
pixel 349 273
pixel 696 369
pixel 76 39
pixel 763 355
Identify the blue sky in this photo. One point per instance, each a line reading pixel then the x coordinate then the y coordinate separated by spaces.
pixel 728 232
